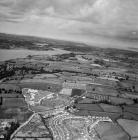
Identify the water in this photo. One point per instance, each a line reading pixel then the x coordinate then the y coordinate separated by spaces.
pixel 22 53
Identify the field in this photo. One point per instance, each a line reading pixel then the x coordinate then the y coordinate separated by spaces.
pixel 62 90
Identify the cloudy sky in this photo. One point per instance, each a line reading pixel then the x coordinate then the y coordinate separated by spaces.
pixel 99 22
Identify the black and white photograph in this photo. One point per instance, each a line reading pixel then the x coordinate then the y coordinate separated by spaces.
pixel 68 69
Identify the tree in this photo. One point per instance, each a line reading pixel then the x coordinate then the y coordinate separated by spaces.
pixel 11 129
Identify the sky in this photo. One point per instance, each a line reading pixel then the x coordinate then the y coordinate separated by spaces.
pixel 105 23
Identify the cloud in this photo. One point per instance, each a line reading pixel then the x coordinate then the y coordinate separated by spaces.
pixel 94 11
pixel 108 18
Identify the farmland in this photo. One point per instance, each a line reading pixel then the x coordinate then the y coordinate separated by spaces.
pixel 77 92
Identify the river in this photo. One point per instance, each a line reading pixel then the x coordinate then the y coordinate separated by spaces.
pixel 6 54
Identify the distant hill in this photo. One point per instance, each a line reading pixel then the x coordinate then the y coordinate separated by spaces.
pixel 10 41
pixel 133 48
pixel 14 37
